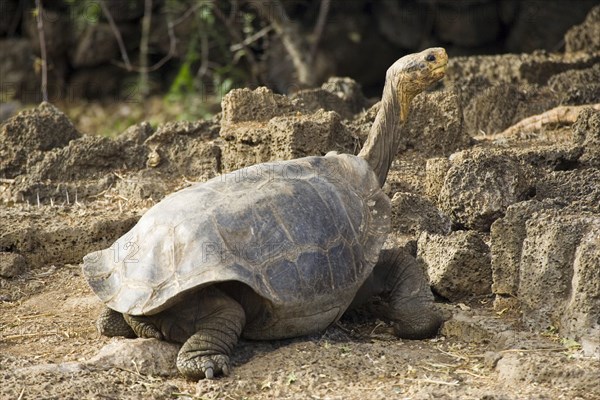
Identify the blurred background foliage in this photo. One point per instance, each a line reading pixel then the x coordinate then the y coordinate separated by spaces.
pixel 111 63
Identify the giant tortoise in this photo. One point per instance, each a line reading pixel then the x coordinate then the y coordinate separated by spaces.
pixel 277 250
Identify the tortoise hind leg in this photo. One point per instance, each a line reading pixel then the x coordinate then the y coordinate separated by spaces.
pixel 218 325
pixel 407 298
pixel 112 323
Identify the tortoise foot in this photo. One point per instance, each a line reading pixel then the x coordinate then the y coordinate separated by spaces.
pixel 204 366
pixel 418 325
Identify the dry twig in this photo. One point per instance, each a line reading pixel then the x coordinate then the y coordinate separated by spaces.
pixel 428 380
pixel 28 335
pixel 188 13
pixel 548 349
pixel 204 54
pixel 561 115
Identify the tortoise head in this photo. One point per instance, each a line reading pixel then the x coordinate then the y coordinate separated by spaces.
pixel 413 73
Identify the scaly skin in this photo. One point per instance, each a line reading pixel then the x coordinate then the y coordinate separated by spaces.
pixel 407 299
pixel 206 353
pixel 208 324
pixel 112 323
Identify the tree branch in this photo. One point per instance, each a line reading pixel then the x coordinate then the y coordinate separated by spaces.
pixel 204 53
pixel 319 27
pixel 251 39
pixel 238 38
pixel 146 24
pixel 44 56
pixel 117 34
pixel 274 12
pixel 187 13
pixel 167 57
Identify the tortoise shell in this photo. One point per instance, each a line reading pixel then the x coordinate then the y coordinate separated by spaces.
pixel 298 232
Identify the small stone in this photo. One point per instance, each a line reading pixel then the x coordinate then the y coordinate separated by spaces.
pixel 559 279
pixel 146 356
pixel 470 327
pixel 185 148
pixel 509 368
pixel 25 136
pixel 283 137
pixel 491 358
pixel 342 95
pixel 507 235
pixel 12 265
pixel 243 105
pixel 66 368
pixel 435 124
pixel 153 158
pixel 348 90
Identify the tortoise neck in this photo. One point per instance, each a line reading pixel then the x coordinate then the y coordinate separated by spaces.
pixel 382 143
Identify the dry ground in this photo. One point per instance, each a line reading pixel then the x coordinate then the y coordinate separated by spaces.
pixel 47 324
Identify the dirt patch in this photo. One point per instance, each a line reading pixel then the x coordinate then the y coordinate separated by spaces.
pixel 49 334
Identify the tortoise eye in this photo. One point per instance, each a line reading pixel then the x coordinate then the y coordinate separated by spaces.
pixel 430 58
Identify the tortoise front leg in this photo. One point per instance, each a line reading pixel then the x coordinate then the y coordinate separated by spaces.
pixel 112 323
pixel 410 302
pixel 407 298
pixel 219 324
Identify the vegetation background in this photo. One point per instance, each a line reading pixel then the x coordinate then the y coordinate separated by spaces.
pixel 112 63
